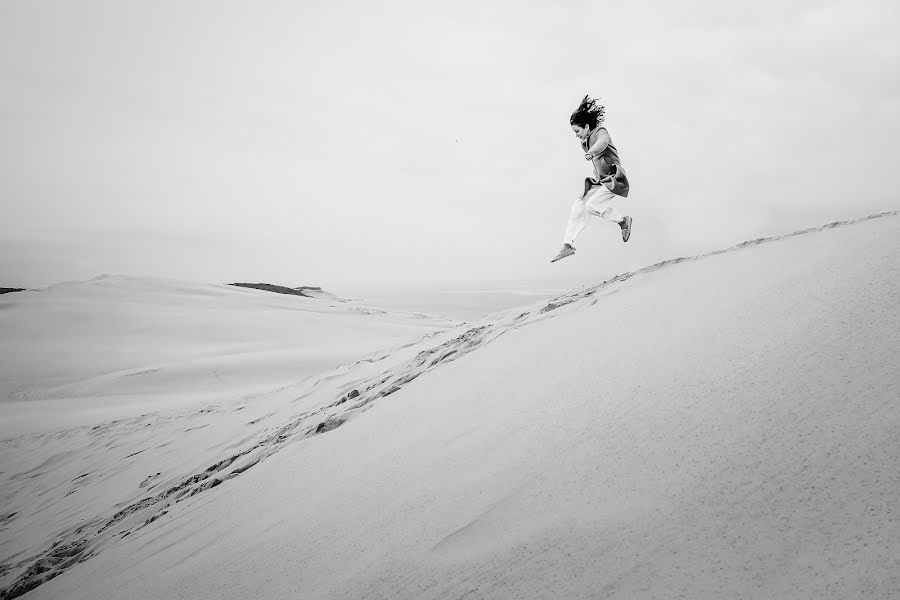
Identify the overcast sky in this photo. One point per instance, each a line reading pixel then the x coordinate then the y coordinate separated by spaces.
pixel 338 143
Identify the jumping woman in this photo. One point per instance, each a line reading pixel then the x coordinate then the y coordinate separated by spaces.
pixel 607 184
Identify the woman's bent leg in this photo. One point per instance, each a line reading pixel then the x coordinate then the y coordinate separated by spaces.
pixel 598 202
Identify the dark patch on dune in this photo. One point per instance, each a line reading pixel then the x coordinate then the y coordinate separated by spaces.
pixel 155 517
pixel 350 396
pixel 58 559
pixel 5 290
pixel 329 424
pixel 280 289
pixel 148 479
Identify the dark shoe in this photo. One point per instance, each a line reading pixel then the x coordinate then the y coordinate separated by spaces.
pixel 567 250
pixel 626 228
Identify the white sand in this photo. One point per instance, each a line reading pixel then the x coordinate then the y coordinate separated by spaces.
pixel 717 428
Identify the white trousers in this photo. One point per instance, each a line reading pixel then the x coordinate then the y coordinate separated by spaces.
pixel 596 202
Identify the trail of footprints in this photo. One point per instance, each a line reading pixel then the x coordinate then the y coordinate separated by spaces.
pixel 80 544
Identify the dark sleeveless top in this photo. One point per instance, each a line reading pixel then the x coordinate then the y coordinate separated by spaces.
pixel 608 170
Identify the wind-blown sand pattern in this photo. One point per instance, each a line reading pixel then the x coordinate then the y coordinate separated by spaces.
pixel 724 429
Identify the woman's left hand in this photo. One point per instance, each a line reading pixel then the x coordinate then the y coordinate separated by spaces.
pixel 588 157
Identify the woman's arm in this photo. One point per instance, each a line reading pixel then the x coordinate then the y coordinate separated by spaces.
pixel 599 144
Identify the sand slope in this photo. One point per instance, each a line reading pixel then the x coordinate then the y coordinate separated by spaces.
pixel 715 427
pixel 119 388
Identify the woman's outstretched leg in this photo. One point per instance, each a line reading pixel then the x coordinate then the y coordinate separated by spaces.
pixel 578 218
pixel 577 222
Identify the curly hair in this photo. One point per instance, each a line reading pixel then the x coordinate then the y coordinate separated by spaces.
pixel 590 113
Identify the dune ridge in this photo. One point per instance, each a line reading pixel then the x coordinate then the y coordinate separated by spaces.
pixel 310 408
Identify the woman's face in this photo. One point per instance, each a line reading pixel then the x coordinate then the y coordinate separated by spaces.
pixel 581 132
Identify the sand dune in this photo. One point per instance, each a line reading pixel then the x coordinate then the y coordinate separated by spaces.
pixel 127 344
pixel 722 426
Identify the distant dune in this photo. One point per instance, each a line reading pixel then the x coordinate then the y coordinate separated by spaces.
pixel 715 426
pixel 117 340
